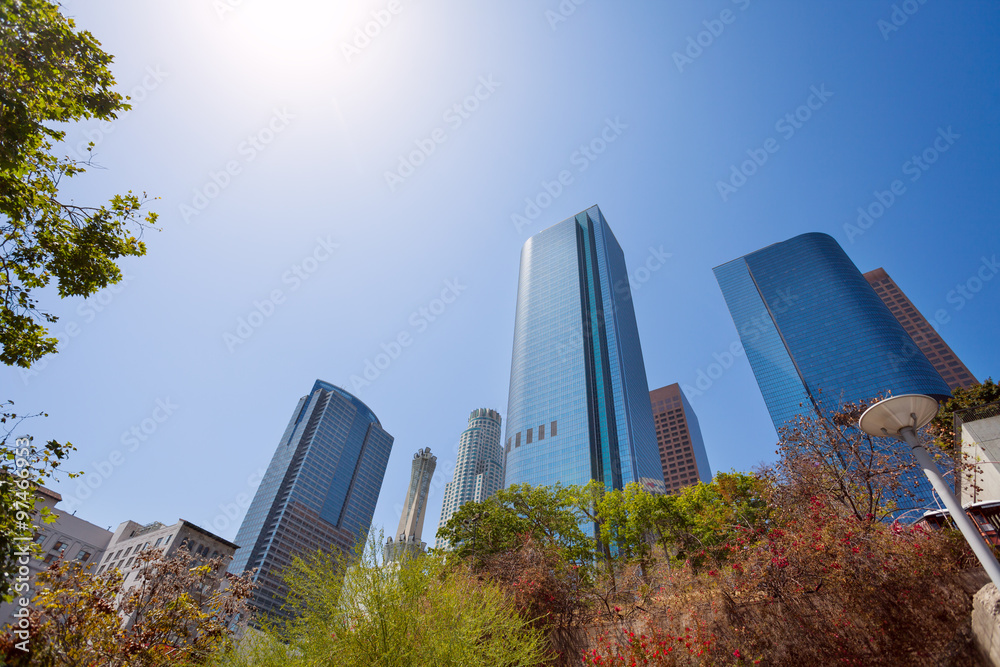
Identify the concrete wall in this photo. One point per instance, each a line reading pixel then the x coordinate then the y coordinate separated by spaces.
pixel 981 442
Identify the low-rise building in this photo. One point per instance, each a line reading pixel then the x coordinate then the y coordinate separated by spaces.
pixel 132 538
pixel 68 537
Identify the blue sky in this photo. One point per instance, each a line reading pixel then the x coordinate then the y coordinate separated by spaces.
pixel 267 130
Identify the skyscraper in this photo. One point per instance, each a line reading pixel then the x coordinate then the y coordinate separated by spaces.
pixel 579 406
pixel 682 450
pixel 951 368
pixel 319 491
pixel 479 465
pixel 815 332
pixel 411 522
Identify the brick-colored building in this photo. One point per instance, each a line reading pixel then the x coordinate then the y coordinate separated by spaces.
pixel 923 334
pixel 682 450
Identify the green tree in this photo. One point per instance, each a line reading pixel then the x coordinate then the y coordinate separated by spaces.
pixel 23 466
pixel 962 398
pixel 550 515
pixel 51 73
pixel 356 611
pixel 625 519
pixel 178 613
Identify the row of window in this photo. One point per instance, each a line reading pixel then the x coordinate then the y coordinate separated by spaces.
pixel 553 430
pixel 60 548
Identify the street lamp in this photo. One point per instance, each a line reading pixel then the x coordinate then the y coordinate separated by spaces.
pixel 900 417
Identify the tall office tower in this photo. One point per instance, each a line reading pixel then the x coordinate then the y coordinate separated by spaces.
pixel 479 465
pixel 319 491
pixel 923 334
pixel 411 523
pixel 682 450
pixel 579 406
pixel 817 335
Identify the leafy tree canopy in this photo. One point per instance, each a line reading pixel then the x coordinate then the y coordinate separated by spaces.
pixel 179 613
pixel 23 466
pixel 962 398
pixel 550 515
pixel 51 73
pixel 353 610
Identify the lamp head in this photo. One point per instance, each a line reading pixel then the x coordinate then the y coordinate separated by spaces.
pixel 888 417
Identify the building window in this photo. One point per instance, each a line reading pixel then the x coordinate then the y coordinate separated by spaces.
pixel 38 538
pixel 59 546
pixel 157 542
pixel 49 558
pixel 552 429
pixel 167 541
pixel 129 561
pixel 541 432
pixel 528 441
pixel 517 439
pixel 127 551
pixel 84 555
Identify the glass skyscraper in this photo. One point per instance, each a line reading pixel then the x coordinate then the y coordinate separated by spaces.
pixel 578 407
pixel 816 333
pixel 319 491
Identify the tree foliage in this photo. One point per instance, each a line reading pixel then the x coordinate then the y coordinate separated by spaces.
pixel 51 73
pixel 23 467
pixel 550 515
pixel 828 455
pixel 962 398
pixel 182 611
pixel 356 611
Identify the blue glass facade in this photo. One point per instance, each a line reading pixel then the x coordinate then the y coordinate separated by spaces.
pixel 815 332
pixel 319 491
pixel 578 407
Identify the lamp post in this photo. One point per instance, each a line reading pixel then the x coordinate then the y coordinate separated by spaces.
pixel 900 417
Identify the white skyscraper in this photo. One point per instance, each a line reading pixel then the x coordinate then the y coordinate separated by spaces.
pixel 479 468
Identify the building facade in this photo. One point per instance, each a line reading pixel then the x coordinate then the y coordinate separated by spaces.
pixel 816 333
pixel 951 368
pixel 131 539
pixel 68 537
pixel 817 336
pixel 682 449
pixel 578 407
pixel 319 491
pixel 479 463
pixel 411 521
